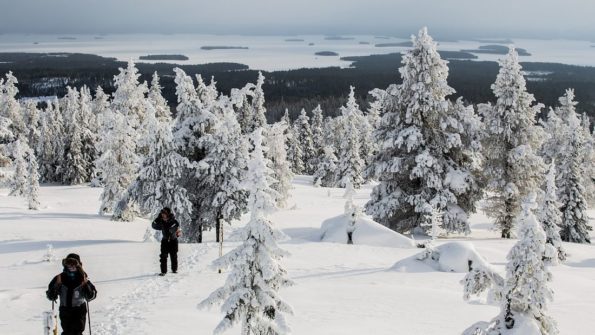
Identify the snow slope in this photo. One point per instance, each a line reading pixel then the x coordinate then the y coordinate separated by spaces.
pixel 340 289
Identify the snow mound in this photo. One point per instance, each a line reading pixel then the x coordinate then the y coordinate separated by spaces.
pixel 453 257
pixel 367 232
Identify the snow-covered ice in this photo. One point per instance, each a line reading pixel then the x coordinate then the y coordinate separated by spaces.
pixel 340 288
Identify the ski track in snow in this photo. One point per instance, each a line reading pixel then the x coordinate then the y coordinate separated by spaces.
pixel 127 310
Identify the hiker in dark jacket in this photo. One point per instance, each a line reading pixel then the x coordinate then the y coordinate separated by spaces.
pixel 170 229
pixel 74 290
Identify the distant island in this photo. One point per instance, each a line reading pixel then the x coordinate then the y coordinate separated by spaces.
pixel 310 43
pixel 326 53
pixel 294 40
pixel 495 41
pixel 221 47
pixel 382 37
pixel 67 38
pixel 396 44
pixel 338 38
pixel 496 49
pixel 364 42
pixel 456 55
pixel 163 57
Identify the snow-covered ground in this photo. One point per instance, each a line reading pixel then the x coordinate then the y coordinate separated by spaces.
pixel 273 52
pixel 340 289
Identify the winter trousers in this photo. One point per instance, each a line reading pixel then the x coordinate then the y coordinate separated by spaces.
pixel 169 248
pixel 73 319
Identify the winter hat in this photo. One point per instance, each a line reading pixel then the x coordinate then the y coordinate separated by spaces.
pixel 72 258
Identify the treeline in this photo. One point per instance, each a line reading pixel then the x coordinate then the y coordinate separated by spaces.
pixel 48 74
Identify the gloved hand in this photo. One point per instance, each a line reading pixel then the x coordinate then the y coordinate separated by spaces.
pixel 52 295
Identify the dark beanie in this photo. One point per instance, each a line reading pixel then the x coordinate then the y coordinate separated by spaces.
pixel 75 256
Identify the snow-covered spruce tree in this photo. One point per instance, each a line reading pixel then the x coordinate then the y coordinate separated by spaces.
pixel 118 162
pixel 351 165
pixel 428 149
pixel 250 293
pixel 575 221
pixel 303 135
pixel 526 293
pixel 77 165
pixel 192 122
pixel 222 170
pixel 129 100
pixel 32 181
pixel 10 107
pixel 589 158
pixel 278 156
pixel 326 171
pixel 157 184
pixel 512 167
pixel 45 147
pixel 259 117
pixel 551 218
pixel 18 185
pixel 162 111
pixel 100 108
pixel 317 126
pixel 58 141
pixel 556 127
pixel 88 125
pixel 295 152
pixel 32 120
pixel 241 101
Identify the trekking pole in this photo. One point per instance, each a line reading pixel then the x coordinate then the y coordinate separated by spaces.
pixel 89 317
pixel 55 318
pixel 220 240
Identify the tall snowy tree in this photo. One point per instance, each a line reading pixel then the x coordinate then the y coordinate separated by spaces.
pixel 512 166
pixel 162 111
pixel 250 293
pixel 18 185
pixel 101 109
pixel 551 218
pixel 294 149
pixel 45 147
pixel 526 293
pixel 129 97
pixel 32 181
pixel 10 107
pixel 279 163
pixel 575 221
pixel 77 166
pixel 58 139
pixel 192 122
pixel 326 171
pixel 317 126
pixel 158 182
pixel 351 165
pixel 118 162
pixel 260 120
pixel 32 120
pixel 303 134
pixel 241 100
pixel 429 148
pixel 222 170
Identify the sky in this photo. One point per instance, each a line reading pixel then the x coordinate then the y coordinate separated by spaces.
pixel 444 18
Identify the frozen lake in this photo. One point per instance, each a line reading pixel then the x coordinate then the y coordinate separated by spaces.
pixel 273 52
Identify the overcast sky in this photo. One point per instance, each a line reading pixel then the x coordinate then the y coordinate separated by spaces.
pixel 445 18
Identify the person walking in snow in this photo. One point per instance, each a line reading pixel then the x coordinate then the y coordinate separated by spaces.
pixel 74 289
pixel 170 229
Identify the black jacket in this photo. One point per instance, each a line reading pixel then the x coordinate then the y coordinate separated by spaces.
pixel 73 290
pixel 168 228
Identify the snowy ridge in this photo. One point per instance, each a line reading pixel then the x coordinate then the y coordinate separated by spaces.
pixel 128 310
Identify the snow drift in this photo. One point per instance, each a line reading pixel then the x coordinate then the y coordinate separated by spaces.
pixel 367 232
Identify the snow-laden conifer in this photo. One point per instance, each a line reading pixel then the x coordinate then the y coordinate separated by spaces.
pixel 512 167
pixel 575 221
pixel 32 181
pixel 279 164
pixel 351 165
pixel 32 120
pixel 129 97
pixel 158 184
pixel 303 134
pixel 193 121
pixel 222 170
pixel 428 148
pixel 10 107
pixel 18 185
pixel 551 218
pixel 526 292
pixel 326 171
pixel 118 162
pixel 162 111
pixel 250 294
